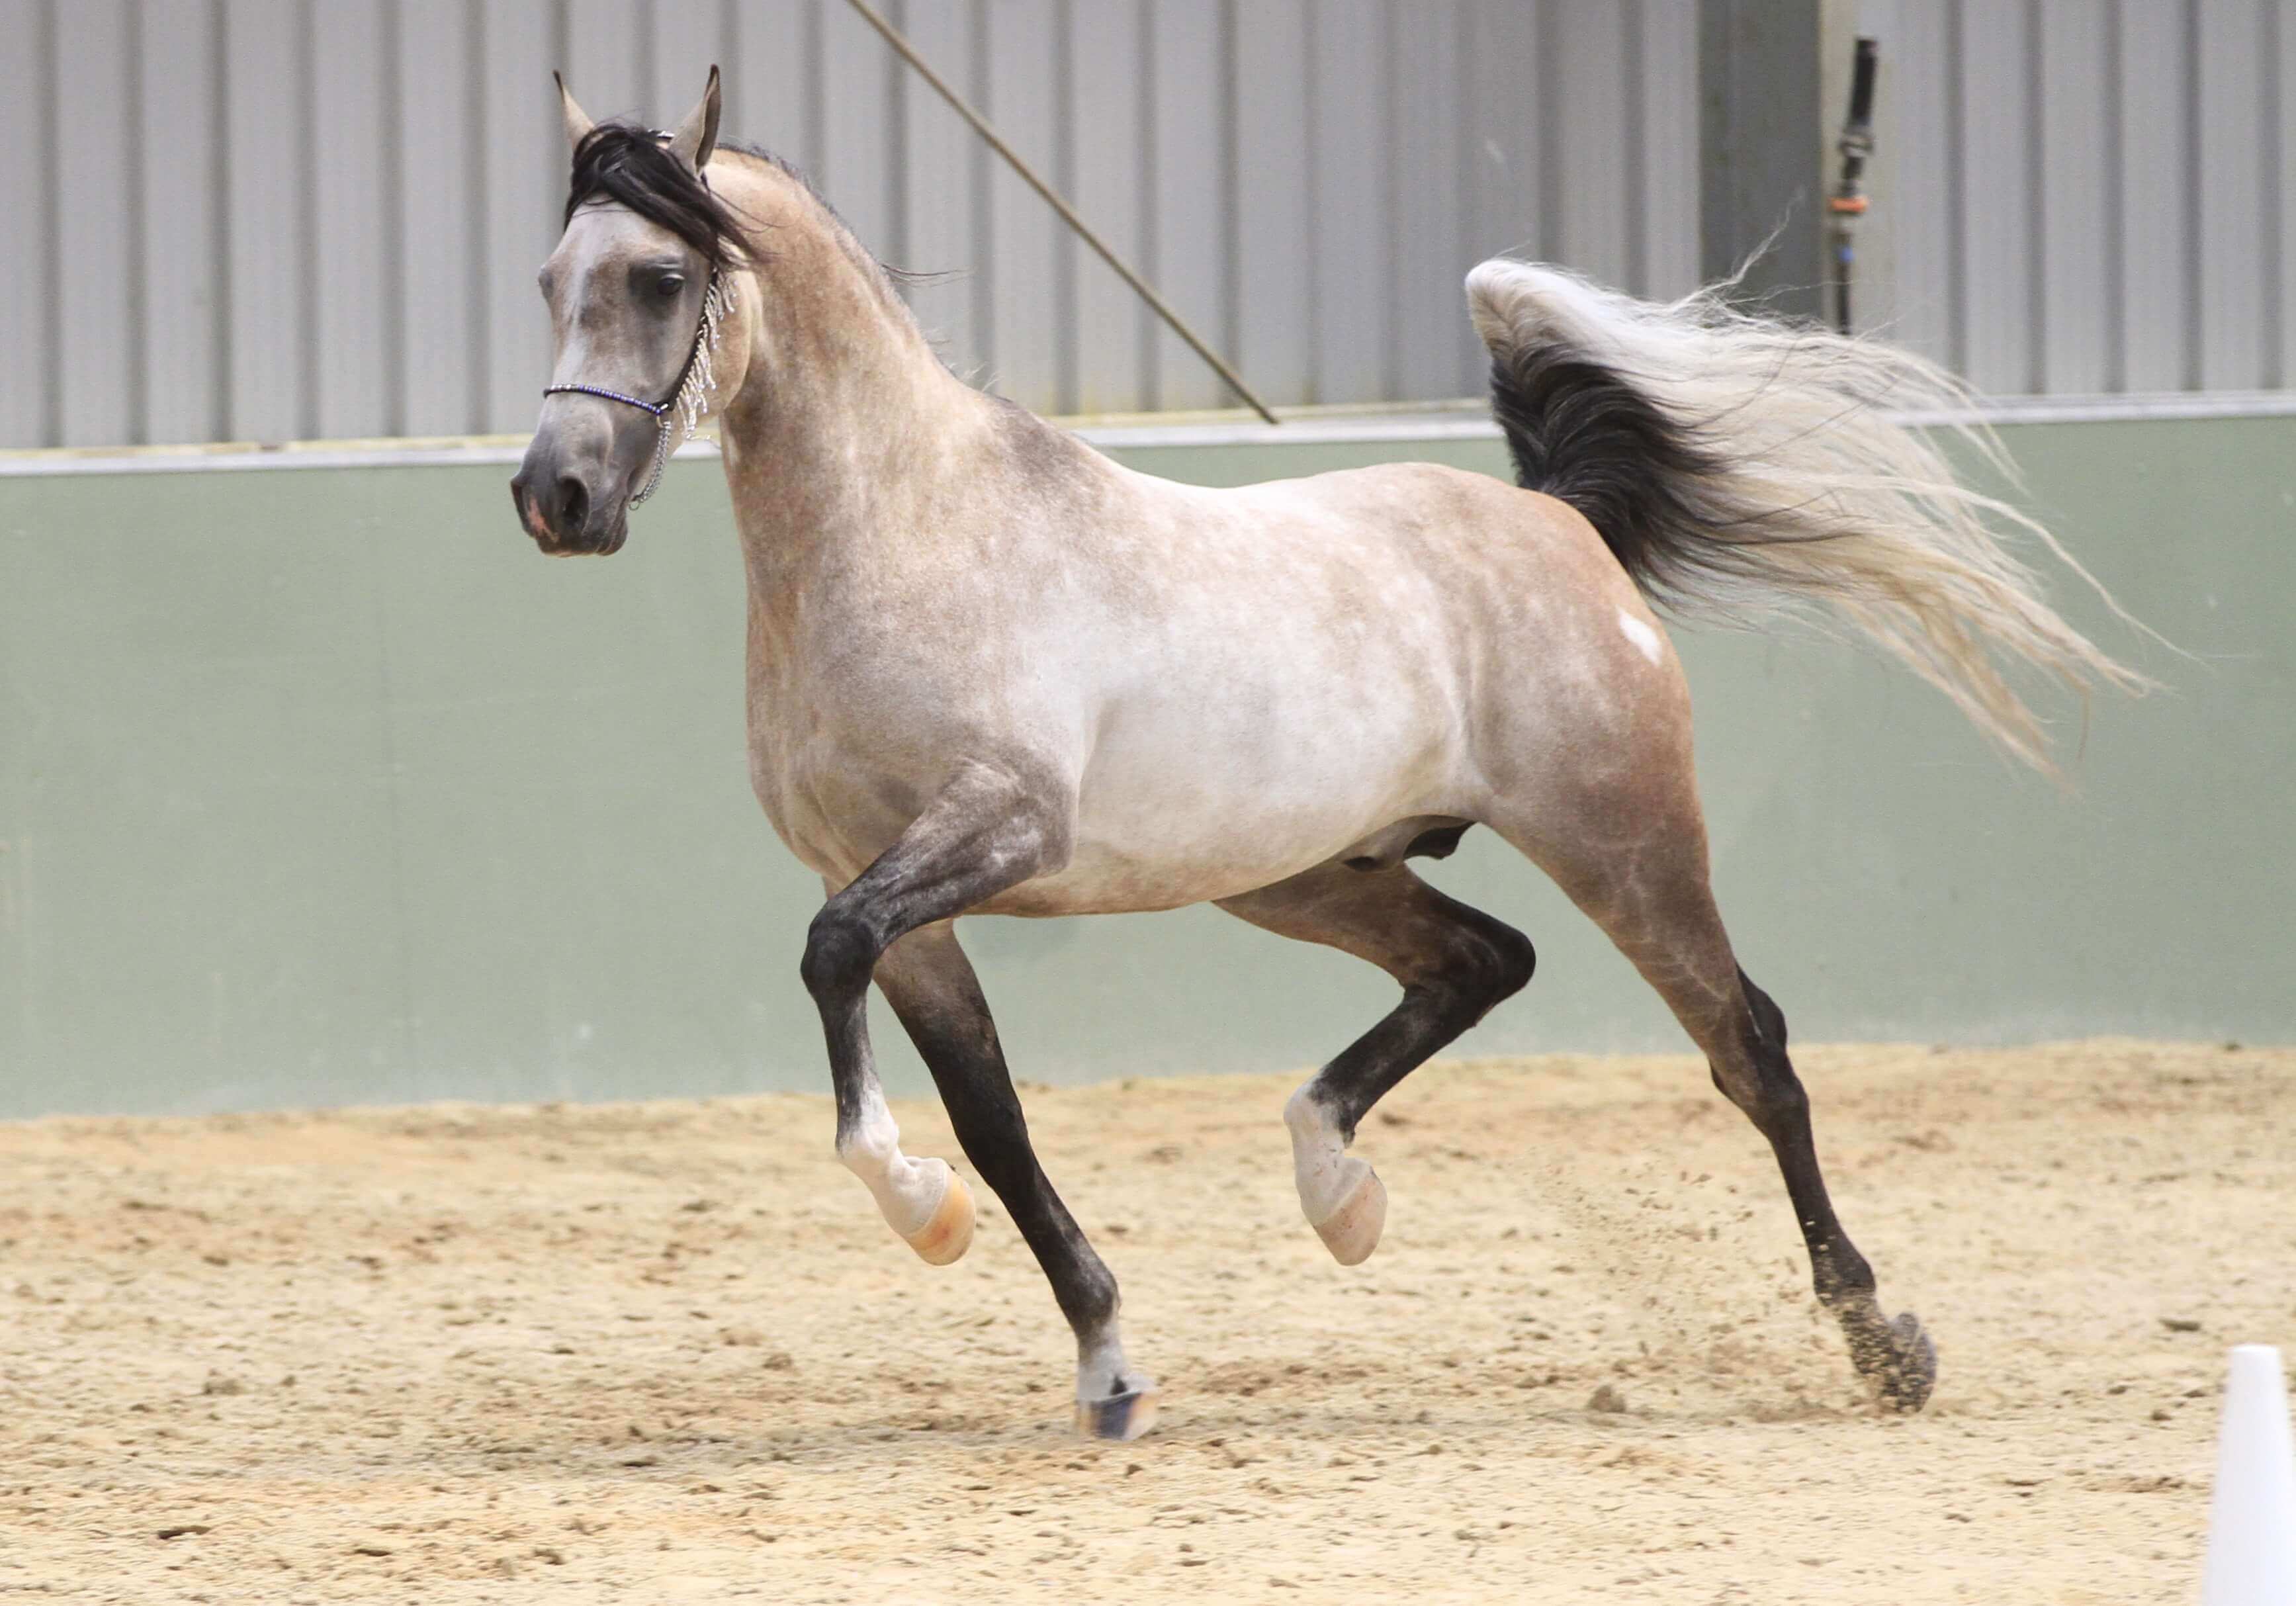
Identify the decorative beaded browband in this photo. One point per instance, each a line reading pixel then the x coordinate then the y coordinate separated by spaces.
pixel 695 390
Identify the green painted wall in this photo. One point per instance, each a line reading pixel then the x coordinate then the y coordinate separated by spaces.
pixel 321 787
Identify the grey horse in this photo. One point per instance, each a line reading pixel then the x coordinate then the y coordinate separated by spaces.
pixel 992 671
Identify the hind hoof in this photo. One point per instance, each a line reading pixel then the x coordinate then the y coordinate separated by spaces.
pixel 949 1233
pixel 1352 1230
pixel 1120 1418
pixel 1903 1376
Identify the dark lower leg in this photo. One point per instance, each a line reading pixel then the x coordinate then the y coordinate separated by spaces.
pixel 1434 1011
pixel 1455 963
pixel 986 830
pixel 1662 917
pixel 1895 1356
pixel 933 989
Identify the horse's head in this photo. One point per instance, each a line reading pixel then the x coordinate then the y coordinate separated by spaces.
pixel 637 286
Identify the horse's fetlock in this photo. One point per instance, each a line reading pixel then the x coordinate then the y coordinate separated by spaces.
pixel 868 1140
pixel 1091 1304
pixel 1842 1276
pixel 1308 1115
pixel 868 1154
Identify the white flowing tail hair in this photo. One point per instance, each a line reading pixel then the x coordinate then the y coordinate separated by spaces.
pixel 1739 465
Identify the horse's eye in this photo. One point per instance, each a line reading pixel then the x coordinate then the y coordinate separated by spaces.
pixel 668 285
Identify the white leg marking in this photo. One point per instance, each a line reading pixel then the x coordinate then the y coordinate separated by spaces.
pixel 1101 1367
pixel 907 1190
pixel 1113 1402
pixel 1328 1176
pixel 1641 634
pixel 1343 1198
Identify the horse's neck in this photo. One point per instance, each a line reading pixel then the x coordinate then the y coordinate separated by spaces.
pixel 845 417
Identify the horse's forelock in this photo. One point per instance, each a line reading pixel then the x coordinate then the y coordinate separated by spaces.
pixel 622 162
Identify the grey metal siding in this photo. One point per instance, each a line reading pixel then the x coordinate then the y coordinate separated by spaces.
pixel 1351 258
pixel 99 377
pixel 2076 196
pixel 28 324
pixel 270 219
pixel 264 219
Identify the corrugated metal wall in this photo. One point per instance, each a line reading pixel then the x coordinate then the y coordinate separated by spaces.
pixel 2088 196
pixel 276 219
pixel 264 219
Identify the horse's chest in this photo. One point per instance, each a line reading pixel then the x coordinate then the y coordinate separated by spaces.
pixel 840 769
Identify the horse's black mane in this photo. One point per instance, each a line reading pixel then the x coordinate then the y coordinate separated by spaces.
pixel 621 161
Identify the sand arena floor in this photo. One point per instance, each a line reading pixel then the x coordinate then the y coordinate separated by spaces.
pixel 667 1352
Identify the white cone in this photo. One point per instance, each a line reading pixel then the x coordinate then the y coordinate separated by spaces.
pixel 2253 1520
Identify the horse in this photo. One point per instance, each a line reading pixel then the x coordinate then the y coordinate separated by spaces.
pixel 992 671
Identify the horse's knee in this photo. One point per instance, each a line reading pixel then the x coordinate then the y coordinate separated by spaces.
pixel 839 956
pixel 1838 1272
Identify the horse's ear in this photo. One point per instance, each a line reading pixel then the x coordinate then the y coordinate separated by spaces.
pixel 577 121
pixel 697 135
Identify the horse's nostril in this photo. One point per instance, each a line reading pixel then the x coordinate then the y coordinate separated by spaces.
pixel 573 502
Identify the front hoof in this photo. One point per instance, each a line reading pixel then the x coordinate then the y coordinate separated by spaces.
pixel 948 1234
pixel 1352 1230
pixel 1904 1373
pixel 1119 1418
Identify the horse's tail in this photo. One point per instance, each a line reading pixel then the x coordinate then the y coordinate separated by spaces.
pixel 1739 465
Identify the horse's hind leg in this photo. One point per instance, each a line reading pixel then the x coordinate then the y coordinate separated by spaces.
pixel 1649 892
pixel 932 987
pixel 1454 964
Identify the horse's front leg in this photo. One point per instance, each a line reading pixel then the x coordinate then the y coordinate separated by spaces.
pixel 933 989
pixel 989 829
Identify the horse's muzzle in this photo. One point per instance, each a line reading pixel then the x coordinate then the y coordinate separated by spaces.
pixel 565 514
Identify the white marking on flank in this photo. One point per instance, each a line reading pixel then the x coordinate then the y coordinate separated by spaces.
pixel 1640 634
